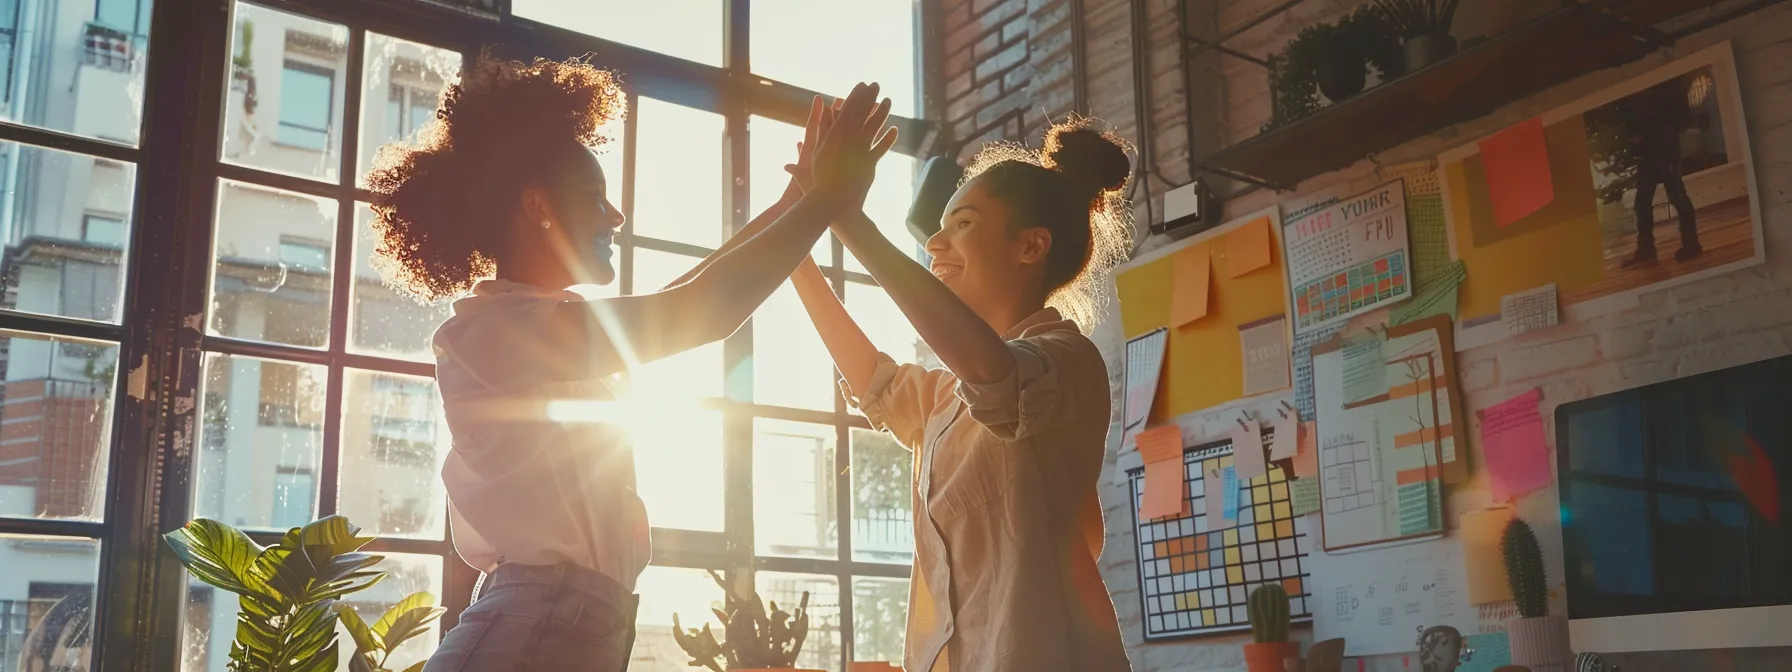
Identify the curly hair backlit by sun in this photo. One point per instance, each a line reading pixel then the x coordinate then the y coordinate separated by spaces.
pixel 1094 165
pixel 442 203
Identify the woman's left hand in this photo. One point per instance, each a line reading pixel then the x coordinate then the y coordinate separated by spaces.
pixel 802 173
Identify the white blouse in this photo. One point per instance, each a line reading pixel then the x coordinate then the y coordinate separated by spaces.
pixel 522 488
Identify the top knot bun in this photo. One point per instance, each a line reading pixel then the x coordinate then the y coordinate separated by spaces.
pixel 1095 162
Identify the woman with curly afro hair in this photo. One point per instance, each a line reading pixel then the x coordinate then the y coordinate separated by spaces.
pixel 502 206
pixel 1009 436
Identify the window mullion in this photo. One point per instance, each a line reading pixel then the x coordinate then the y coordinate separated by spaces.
pixel 329 478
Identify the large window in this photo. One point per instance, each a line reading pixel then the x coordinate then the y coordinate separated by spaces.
pixel 226 349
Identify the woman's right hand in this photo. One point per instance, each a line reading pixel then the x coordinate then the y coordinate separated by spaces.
pixel 845 162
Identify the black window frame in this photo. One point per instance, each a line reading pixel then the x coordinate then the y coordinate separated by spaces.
pixel 155 447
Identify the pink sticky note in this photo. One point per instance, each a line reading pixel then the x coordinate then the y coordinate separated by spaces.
pixel 1517 165
pixel 1165 490
pixel 1513 445
pixel 1306 462
pixel 1287 437
pixel 1247 450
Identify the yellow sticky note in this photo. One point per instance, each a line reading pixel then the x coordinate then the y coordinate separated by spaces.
pixel 1189 285
pixel 1481 557
pixel 1247 247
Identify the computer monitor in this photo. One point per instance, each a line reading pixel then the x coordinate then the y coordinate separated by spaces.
pixel 1675 507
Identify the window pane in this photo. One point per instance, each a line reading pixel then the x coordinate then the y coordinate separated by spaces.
pixel 887 204
pixel 74 66
pixel 46 602
pixel 879 618
pixel 688 29
pixel 262 434
pixel 64 233
pixel 791 366
pixel 883 524
pixel 383 320
pixel 209 620
pixel 400 87
pixel 793 489
pixel 394 439
pixel 678 167
pixel 772 145
pixel 692 373
pixel 283 107
pixel 880 34
pixel 265 287
pixel 678 462
pixel 822 651
pixel 664 591
pixel 56 411
pixel 874 311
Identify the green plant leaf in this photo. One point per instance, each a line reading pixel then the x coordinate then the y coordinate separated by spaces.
pixel 418 667
pixel 419 600
pixel 363 662
pixel 366 639
pixel 335 534
pixel 219 555
pixel 411 624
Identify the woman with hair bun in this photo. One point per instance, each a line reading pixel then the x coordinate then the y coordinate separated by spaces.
pixel 1009 436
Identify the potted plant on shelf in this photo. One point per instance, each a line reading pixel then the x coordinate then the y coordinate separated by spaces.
pixel 1538 640
pixel 757 640
pixel 1331 59
pixel 290 595
pixel 1268 610
pixel 1424 26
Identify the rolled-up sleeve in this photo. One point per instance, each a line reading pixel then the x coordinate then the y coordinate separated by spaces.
pixel 899 399
pixel 1046 374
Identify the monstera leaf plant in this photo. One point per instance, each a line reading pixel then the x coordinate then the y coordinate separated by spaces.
pixel 290 594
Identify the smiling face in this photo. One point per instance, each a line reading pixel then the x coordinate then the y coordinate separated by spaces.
pixel 990 261
pixel 581 220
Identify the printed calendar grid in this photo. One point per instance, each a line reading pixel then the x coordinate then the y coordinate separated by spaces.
pixel 1367 284
pixel 1195 581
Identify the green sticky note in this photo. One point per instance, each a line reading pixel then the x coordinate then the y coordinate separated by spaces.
pixel 1304 493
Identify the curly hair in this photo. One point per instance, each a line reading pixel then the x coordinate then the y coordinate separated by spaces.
pixel 1075 187
pixel 443 201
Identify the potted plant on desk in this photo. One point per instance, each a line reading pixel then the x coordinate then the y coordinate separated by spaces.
pixel 757 640
pixel 1269 628
pixel 1538 640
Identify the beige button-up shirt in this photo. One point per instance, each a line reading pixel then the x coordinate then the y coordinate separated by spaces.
pixel 1007 522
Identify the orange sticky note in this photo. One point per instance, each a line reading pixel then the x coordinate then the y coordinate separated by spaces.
pixel 1481 555
pixel 1247 247
pixel 1306 460
pixel 1189 284
pixel 1165 488
pixel 1517 165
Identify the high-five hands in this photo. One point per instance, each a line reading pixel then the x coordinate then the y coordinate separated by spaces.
pixel 841 147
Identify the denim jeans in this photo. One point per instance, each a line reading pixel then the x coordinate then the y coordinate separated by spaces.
pixel 538 619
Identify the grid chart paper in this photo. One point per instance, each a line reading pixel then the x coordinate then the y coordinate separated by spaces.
pixel 1194 581
pixel 1367 284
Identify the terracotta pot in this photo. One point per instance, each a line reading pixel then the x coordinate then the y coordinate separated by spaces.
pixel 1540 643
pixel 1268 656
pixel 877 666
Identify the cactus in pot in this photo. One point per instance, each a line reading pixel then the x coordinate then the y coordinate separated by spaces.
pixel 1538 640
pixel 1268 608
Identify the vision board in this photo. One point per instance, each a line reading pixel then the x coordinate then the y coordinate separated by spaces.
pixel 1194 580
pixel 1204 360
pixel 1666 152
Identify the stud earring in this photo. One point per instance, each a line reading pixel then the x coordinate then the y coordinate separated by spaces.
pixel 546 224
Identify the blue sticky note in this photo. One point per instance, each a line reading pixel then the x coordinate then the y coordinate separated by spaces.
pixel 1230 500
pixel 1491 651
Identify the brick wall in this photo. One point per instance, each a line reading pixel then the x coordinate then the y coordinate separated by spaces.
pixel 1724 321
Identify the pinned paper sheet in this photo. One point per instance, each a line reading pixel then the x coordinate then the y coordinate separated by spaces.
pixel 1213 492
pixel 1513 446
pixel 1303 494
pixel 1529 309
pixel 1189 280
pixel 1264 344
pixel 1517 165
pixel 1437 298
pixel 1247 449
pixel 1365 369
pixel 1306 460
pixel 1165 488
pixel 1144 363
pixel 1285 443
pixel 1247 247
pixel 1482 557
